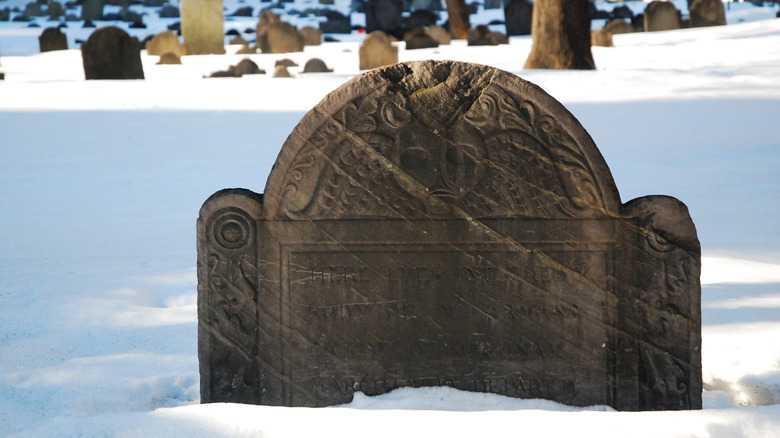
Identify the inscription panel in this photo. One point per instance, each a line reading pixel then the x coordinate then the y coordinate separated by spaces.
pixel 480 317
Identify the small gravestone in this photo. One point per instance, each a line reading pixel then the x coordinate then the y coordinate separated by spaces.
pixel 421 18
pixel 311 36
pixel 165 42
pixel 384 15
pixel 707 13
pixel 419 39
pixel 110 53
pixel 169 58
pixel 493 4
pixel 201 26
pixel 622 12
pixel 618 26
pixel 169 11
pixel 316 65
pixel 280 37
pixel 377 50
pixel 336 22
pixel 440 34
pixel 51 39
pixel 662 15
pixel 482 36
pixel 92 10
pixel 437 223
pixel 55 11
pixel 519 15
pixel 601 38
pixel 427 5
pixel 280 71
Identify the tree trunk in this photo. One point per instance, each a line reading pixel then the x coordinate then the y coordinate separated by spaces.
pixel 459 18
pixel 561 35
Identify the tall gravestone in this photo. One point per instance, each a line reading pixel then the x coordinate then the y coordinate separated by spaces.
pixel 442 223
pixel 202 27
pixel 518 15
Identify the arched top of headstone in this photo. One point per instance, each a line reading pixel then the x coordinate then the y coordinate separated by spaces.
pixel 428 139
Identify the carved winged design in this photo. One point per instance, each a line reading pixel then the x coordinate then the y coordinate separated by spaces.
pixel 441 144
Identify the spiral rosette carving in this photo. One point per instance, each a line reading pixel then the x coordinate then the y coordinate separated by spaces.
pixel 232 229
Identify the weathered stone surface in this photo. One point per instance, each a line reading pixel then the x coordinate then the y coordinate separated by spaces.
pixel 201 26
pixel 316 65
pixel 482 36
pixel 169 58
pixel 419 39
pixel 280 37
pixel 440 34
pixel 707 13
pixel 601 38
pixel 110 53
pixel 92 10
pixel 443 223
pixel 384 15
pixel 52 38
pixel 165 42
pixel 377 51
pixel 336 23
pixel 618 26
pixel 311 36
pixel 662 15
pixel 519 17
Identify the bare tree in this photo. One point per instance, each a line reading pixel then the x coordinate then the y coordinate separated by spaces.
pixel 561 35
pixel 459 18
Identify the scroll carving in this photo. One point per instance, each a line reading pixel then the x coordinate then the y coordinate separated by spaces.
pixel 444 223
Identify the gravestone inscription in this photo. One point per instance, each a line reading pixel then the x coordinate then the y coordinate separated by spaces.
pixel 443 223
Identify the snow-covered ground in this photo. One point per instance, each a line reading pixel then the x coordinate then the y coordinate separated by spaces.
pixel 101 183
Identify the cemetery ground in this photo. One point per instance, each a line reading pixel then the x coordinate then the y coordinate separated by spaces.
pixel 101 183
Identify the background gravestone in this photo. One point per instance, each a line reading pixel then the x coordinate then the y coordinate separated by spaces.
pixel 442 223
pixel 92 10
pixel 707 13
pixel 201 26
pixel 518 15
pixel 384 15
pixel 110 53
pixel 165 42
pixel 376 51
pixel 52 38
pixel 661 15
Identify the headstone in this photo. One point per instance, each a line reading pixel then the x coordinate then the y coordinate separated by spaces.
pixel 311 36
pixel 377 50
pixel 5 14
pixel 421 18
pixel 165 42
pixel 169 11
pixel 519 16
pixel 618 26
pixel 437 223
pixel 201 26
pixel 51 39
pixel 440 34
pixel 427 5
pixel 316 65
pixel 384 15
pixel 244 67
pixel 280 71
pixel 280 37
pixel 482 36
pixel 287 62
pixel 622 12
pixel 92 10
pixel 662 15
pixel 458 20
pixel 110 53
pixel 336 23
pixel 169 58
pixel 419 39
pixel 493 4
pixel 707 13
pixel 55 10
pixel 601 38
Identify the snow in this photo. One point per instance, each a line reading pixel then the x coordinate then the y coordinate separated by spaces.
pixel 101 183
